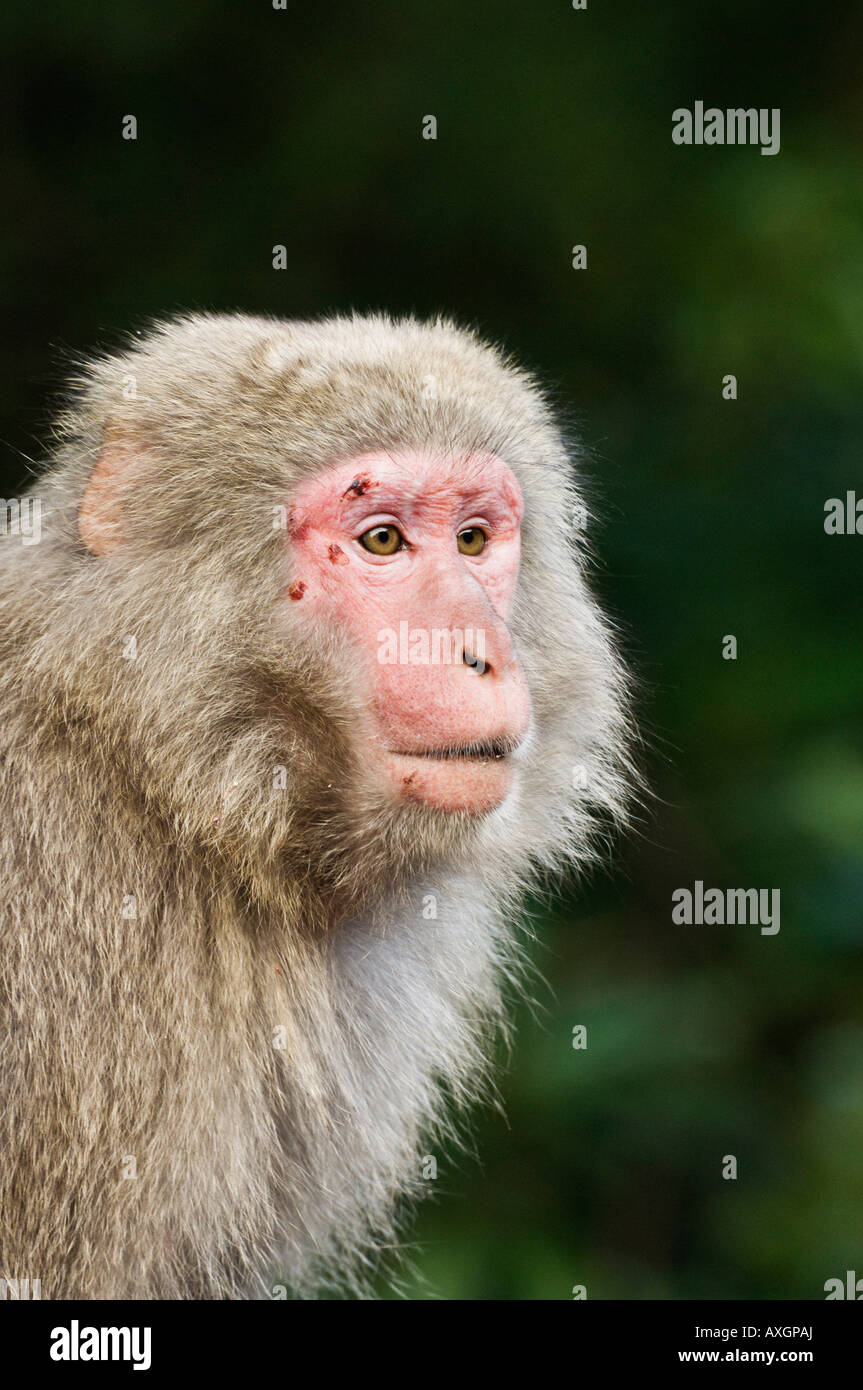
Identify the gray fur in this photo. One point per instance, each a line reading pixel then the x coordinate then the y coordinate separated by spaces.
pixel 257 908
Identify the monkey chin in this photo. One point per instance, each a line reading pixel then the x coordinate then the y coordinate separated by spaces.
pixel 472 785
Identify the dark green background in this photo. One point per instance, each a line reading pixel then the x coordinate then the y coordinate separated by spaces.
pixel 302 127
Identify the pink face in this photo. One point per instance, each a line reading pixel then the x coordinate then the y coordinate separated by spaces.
pixel 418 556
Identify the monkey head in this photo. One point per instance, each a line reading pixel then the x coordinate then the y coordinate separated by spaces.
pixel 348 552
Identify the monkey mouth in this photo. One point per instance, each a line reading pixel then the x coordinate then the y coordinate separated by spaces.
pixel 472 777
pixel 481 751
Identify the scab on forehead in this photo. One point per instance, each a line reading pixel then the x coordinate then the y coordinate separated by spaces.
pixel 359 486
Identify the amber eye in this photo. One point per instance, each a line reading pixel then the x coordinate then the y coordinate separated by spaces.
pixel 382 540
pixel 471 541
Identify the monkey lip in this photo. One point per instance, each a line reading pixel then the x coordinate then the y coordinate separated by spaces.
pixel 469 777
pixel 498 748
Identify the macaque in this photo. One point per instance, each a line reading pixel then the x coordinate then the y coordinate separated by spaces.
pixel 300 690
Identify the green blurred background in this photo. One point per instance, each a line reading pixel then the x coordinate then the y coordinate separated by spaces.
pixel 303 127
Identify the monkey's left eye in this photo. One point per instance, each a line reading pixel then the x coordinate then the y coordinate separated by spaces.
pixel 382 540
pixel 471 541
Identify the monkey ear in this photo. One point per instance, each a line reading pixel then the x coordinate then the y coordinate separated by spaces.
pixel 100 511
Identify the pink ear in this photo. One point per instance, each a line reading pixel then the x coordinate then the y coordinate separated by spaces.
pixel 100 512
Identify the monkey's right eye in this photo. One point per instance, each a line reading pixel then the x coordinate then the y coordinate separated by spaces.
pixel 382 540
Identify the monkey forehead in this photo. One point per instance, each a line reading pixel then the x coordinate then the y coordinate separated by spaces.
pixel 411 480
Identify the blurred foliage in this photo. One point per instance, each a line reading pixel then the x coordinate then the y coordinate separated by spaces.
pixel 302 126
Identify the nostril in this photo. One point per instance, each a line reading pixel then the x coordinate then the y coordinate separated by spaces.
pixel 475 662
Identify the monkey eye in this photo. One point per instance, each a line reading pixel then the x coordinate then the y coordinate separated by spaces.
pixel 471 541
pixel 382 540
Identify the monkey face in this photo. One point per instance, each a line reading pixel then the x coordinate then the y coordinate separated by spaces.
pixel 415 558
pixel 339 605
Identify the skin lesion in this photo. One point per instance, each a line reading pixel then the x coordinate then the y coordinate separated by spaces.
pixel 358 487
pixel 297 530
